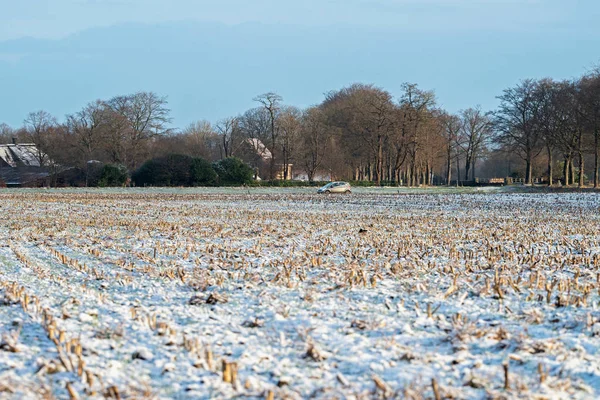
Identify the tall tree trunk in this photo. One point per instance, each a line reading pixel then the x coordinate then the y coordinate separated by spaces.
pixel 225 147
pixel 285 164
pixel 272 166
pixel 566 170
pixel 428 174
pixel 457 170
pixel 580 156
pixel 550 167
pixel 379 159
pixel 596 157
pixel 581 169
pixel 571 170
pixel 449 169
pixel 413 176
pixel 528 171
pixel 467 168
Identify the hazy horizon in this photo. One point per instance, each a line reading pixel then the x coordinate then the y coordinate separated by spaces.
pixel 210 60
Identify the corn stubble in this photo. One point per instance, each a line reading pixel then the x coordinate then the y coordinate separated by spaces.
pixel 147 294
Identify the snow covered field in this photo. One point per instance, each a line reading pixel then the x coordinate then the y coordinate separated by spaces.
pixel 285 294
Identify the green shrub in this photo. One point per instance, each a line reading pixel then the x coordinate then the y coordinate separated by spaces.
pixel 175 170
pixel 147 174
pixel 170 170
pixel 93 171
pixel 202 173
pixel 113 175
pixel 233 171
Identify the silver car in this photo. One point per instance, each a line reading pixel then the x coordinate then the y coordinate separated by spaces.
pixel 336 187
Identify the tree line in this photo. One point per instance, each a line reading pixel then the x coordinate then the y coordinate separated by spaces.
pixel 542 128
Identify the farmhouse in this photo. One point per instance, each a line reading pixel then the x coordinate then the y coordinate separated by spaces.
pixel 20 165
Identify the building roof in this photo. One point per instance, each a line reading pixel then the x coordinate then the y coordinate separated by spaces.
pixel 260 148
pixel 19 164
pixel 15 155
pixel 7 157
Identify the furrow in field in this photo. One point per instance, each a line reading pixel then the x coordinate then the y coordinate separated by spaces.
pixel 132 351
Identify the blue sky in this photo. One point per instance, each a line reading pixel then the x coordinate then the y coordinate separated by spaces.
pixel 212 57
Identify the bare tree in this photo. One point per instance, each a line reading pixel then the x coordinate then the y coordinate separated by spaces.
pixel 366 117
pixel 6 133
pixel 59 151
pixel 88 128
pixel 377 118
pixel 313 141
pixel 229 130
pixel 289 121
pixel 565 127
pixel 398 143
pixel 548 122
pixel 475 132
pixel 590 98
pixel 38 126
pixel 117 137
pixel 452 125
pixel 271 102
pixel 415 105
pixel 201 140
pixel 146 116
pixel 581 123
pixel 518 122
pixel 254 127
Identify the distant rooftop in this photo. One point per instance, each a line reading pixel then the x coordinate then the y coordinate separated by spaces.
pixel 19 155
pixel 260 148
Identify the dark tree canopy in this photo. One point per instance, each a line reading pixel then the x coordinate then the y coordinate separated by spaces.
pixel 233 171
pixel 113 175
pixel 175 170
